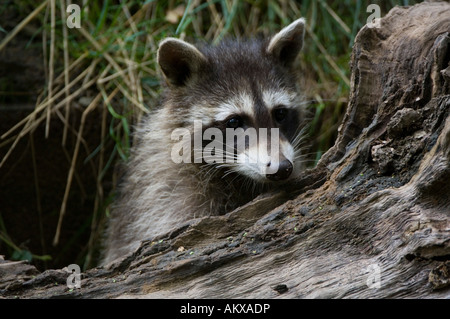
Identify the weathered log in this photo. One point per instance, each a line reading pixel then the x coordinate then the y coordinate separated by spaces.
pixel 371 220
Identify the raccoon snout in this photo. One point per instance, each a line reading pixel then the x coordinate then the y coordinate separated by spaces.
pixel 284 171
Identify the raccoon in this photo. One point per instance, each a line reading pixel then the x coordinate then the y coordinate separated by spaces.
pixel 238 84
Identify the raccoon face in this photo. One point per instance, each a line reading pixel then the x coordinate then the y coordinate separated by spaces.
pixel 266 128
pixel 246 93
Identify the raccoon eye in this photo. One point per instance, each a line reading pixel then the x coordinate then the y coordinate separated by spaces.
pixel 234 122
pixel 280 114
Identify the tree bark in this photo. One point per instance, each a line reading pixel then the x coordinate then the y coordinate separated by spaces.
pixel 372 219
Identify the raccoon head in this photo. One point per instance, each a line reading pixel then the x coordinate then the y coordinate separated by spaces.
pixel 240 87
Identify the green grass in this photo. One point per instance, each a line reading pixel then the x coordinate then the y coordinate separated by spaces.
pixel 113 56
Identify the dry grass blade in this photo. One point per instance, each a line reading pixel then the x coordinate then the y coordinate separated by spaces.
pixel 328 57
pixel 131 98
pixel 42 106
pixel 47 101
pixel 336 17
pixel 99 47
pixel 66 68
pixel 62 212
pixel 51 62
pixel 22 24
pixel 32 121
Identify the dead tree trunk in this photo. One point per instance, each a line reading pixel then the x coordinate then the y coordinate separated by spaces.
pixel 371 220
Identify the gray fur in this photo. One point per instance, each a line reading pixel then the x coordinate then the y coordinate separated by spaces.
pixel 203 83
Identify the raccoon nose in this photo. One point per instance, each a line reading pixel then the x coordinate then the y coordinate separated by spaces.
pixel 284 171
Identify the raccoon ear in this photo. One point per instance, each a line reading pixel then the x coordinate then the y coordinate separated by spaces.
pixel 179 60
pixel 286 44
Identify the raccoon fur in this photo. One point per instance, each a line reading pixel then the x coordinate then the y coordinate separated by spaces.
pixel 236 84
